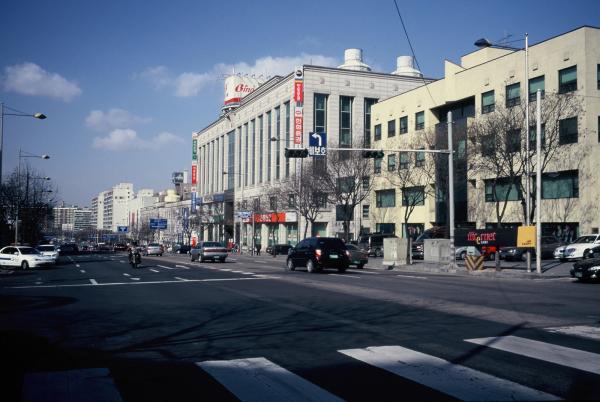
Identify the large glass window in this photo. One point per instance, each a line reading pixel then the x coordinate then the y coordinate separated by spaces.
pixel 385 198
pixel 345 139
pixel 419 120
pixel 261 141
pixel 488 102
pixel 391 128
pixel 404 160
pixel 287 137
pixel 413 196
pixel 535 84
pixel 320 113
pixel 501 189
pixel 269 145
pixel 420 159
pixel 488 148
pixel 563 184
pixel 533 137
pixel 567 80
pixel 377 165
pixel 320 199
pixel 231 158
pixel 377 132
pixel 567 131
pixel 513 140
pixel 367 123
pixel 391 162
pixel 253 135
pixel 513 94
pixel 278 143
pixel 365 211
pixel 403 124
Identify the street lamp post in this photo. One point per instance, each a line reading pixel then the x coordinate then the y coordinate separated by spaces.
pixel 23 154
pixel 12 112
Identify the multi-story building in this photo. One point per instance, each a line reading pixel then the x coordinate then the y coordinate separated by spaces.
pixel 64 217
pixel 487 81
pixel 110 209
pixel 144 198
pixel 240 156
pixel 98 211
pixel 82 219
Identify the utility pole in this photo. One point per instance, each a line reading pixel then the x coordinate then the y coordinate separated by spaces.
pixel 451 188
pixel 527 165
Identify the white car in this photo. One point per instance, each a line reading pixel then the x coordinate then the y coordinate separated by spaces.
pixel 48 250
pixel 23 257
pixel 580 248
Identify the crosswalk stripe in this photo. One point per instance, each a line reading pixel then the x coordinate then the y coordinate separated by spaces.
pixel 453 379
pixel 165 267
pixel 182 266
pixel 556 354
pixel 258 379
pixel 93 385
pixel 582 331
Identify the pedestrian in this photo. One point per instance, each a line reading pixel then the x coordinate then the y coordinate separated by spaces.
pixel 258 246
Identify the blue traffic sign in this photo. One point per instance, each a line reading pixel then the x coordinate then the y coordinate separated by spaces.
pixel 317 144
pixel 122 229
pixel 158 223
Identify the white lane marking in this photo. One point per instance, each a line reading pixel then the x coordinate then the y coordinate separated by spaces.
pixel 411 276
pixel 126 274
pixel 82 271
pixel 182 266
pixel 346 276
pixel 247 273
pixel 165 267
pixel 39 282
pixel 78 266
pixel 362 271
pixel 93 384
pixel 134 279
pixel 180 279
pixel 237 272
pixel 232 259
pixel 264 262
pixel 258 379
pixel 453 379
pixel 123 262
pixel 548 352
pixel 262 277
pixel 93 281
pixel 224 269
pixel 582 331
pixel 153 270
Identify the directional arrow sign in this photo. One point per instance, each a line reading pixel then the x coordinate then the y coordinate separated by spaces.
pixel 317 144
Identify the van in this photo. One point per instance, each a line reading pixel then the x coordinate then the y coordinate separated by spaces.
pixel 373 243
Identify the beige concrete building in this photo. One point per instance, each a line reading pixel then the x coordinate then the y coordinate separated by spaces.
pixel 486 80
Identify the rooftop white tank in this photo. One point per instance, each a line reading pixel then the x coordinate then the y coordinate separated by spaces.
pixel 404 66
pixel 353 60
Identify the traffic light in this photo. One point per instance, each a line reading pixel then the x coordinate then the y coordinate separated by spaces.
pixel 372 154
pixel 296 152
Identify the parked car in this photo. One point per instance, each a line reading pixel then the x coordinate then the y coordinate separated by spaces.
pixel 120 247
pixel 209 250
pixel 373 243
pixel 549 244
pixel 580 248
pixel 418 246
pixel 23 257
pixel 68 249
pixel 317 253
pixel 358 257
pixel 154 249
pixel 182 248
pixel 588 270
pixel 49 250
pixel 279 249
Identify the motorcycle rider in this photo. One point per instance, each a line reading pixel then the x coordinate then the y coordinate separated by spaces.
pixel 134 253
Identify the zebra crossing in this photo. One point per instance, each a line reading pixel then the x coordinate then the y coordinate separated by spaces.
pixel 260 379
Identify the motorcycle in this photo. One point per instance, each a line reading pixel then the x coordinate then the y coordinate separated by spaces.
pixel 135 259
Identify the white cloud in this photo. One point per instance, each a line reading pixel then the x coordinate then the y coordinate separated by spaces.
pixel 31 79
pixel 128 139
pixel 191 83
pixel 113 118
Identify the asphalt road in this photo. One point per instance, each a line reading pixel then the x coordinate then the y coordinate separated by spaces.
pixel 93 328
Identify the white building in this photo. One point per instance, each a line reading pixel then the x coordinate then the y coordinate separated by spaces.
pixel 110 209
pixel 82 219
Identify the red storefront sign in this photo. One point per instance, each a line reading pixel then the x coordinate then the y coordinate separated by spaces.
pixel 274 217
pixel 194 174
pixel 298 91
pixel 298 123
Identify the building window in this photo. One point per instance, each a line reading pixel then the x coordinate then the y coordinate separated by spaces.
pixel 261 138
pixel 501 189
pixel 567 131
pixel 245 173
pixel 413 196
pixel 391 165
pixel 345 139
pixel 598 75
pixel 253 130
pixel 488 148
pixel 488 102
pixel 231 158
pixel 345 184
pixel 291 200
pixel 385 198
pixel 391 128
pixel 366 181
pixel 403 124
pixel 320 199
pixel 513 95
pixel 377 165
pixel 365 211
pixel 269 146
pixel 320 113
pixel 535 84
pixel 256 204
pixel 598 128
pixel 377 132
pixel 367 123
pixel 278 143
pixel 273 203
pixel 239 177
pixel 419 121
pixel 567 80
pixel 420 159
pixel 563 184
pixel 533 137
pixel 287 137
pixel 404 160
pixel 513 141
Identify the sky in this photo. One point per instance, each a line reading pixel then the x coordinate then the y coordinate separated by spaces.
pixel 125 83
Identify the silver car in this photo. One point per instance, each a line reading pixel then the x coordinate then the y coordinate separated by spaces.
pixel 154 249
pixel 209 250
pixel 48 250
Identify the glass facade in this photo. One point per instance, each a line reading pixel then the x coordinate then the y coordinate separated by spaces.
pixel 563 184
pixel 367 123
pixel 287 137
pixel 253 130
pixel 345 139
pixel 385 198
pixel 231 159
pixel 269 145
pixel 413 196
pixel 502 189
pixel 320 114
pixel 261 141
pixel 245 174
pixel 278 143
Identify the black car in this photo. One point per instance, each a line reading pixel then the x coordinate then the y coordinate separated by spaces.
pixel 418 246
pixel 182 248
pixel 120 247
pixel 316 253
pixel 588 270
pixel 549 244
pixel 279 249
pixel 68 249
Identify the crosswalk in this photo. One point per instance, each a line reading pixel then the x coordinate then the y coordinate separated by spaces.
pixel 260 379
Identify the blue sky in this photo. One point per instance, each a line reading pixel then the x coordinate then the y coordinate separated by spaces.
pixel 125 83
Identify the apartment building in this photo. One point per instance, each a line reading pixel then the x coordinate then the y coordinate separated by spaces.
pixel 239 157
pixel 495 79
